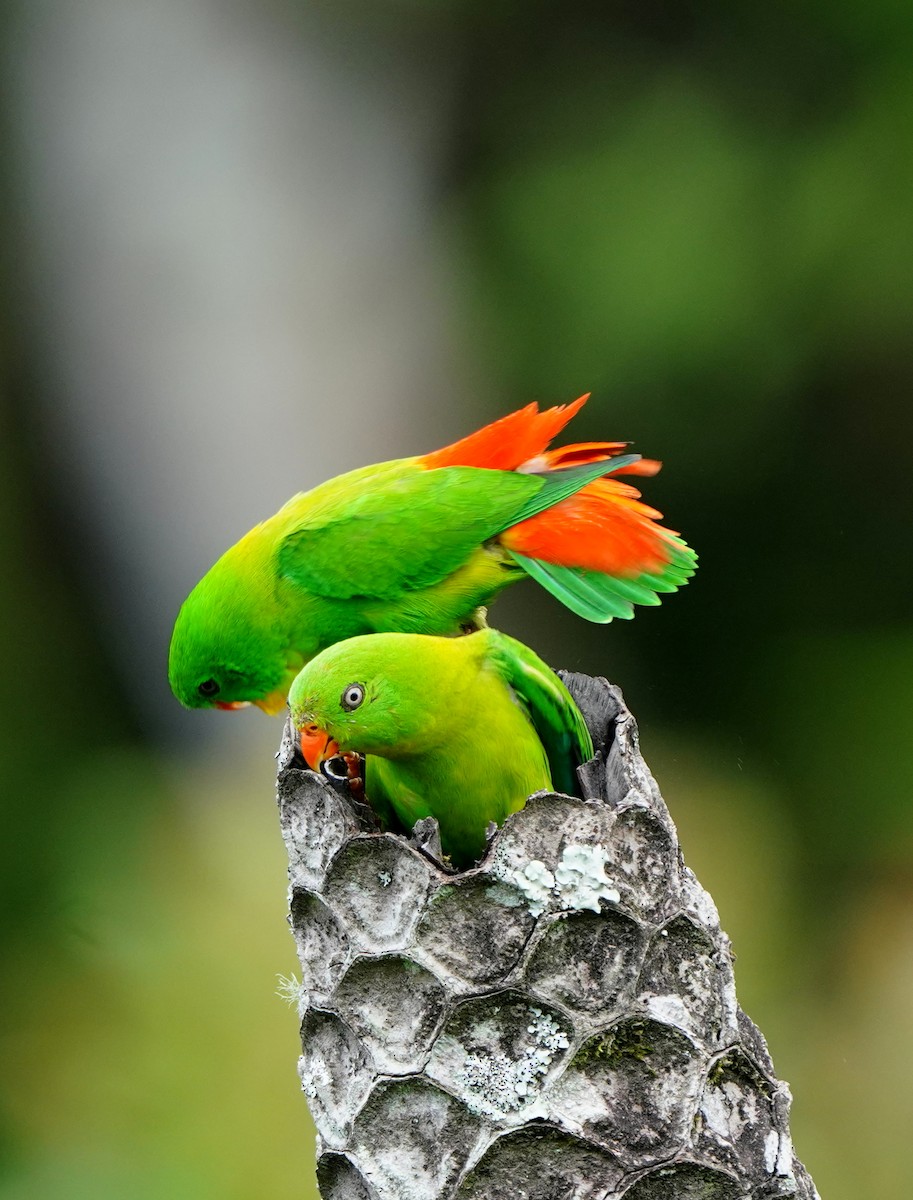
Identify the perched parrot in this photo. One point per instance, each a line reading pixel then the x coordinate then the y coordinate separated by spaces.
pixel 422 545
pixel 461 729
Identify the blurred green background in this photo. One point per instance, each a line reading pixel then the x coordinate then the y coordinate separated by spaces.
pixel 248 246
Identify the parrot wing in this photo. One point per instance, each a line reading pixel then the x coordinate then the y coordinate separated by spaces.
pixel 410 528
pixel 401 532
pixel 549 705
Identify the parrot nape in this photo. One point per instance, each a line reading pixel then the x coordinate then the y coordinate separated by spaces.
pixel 422 545
pixel 460 729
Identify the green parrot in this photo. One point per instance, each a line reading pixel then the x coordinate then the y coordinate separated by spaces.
pixel 422 545
pixel 461 729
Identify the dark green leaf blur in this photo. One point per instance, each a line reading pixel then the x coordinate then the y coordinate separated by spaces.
pixel 247 248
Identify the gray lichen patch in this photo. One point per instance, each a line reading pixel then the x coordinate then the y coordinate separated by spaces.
pixel 541 1163
pixel 336 1072
pixel 581 881
pixel 378 887
pixel 467 931
pixel 497 1053
pixel 395 1006
pixel 412 1140
pixel 587 962
pixel 633 1089
pixel 577 882
pixel 553 852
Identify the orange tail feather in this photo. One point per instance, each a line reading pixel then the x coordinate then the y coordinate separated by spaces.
pixel 604 527
pixel 508 443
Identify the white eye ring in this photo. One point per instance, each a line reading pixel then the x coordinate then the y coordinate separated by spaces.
pixel 352 697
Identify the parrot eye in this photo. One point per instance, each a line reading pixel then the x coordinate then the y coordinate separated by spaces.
pixel 352 696
pixel 208 688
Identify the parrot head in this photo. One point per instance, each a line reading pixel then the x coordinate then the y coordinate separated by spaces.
pixel 367 694
pixel 221 658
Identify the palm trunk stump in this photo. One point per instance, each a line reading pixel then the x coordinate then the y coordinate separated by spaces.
pixel 558 1023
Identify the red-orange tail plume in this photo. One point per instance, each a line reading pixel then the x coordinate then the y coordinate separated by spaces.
pixel 605 527
pixel 599 550
pixel 519 441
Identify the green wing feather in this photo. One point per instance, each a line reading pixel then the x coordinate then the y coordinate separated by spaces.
pixel 601 598
pixel 403 532
pixel 549 705
pixel 558 485
pixel 406 528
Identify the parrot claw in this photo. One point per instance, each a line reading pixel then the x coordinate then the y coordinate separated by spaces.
pixel 345 768
pixel 353 774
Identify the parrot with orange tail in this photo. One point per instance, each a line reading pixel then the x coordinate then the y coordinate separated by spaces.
pixel 423 545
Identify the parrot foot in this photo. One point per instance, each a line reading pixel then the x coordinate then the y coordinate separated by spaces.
pixel 353 774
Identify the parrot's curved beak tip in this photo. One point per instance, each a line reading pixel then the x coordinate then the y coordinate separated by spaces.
pixel 232 705
pixel 316 745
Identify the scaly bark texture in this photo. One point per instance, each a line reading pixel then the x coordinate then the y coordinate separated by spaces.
pixel 558 1023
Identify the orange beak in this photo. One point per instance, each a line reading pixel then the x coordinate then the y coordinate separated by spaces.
pixel 316 745
pixel 232 705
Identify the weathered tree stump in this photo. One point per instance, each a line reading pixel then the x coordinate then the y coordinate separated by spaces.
pixel 558 1023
